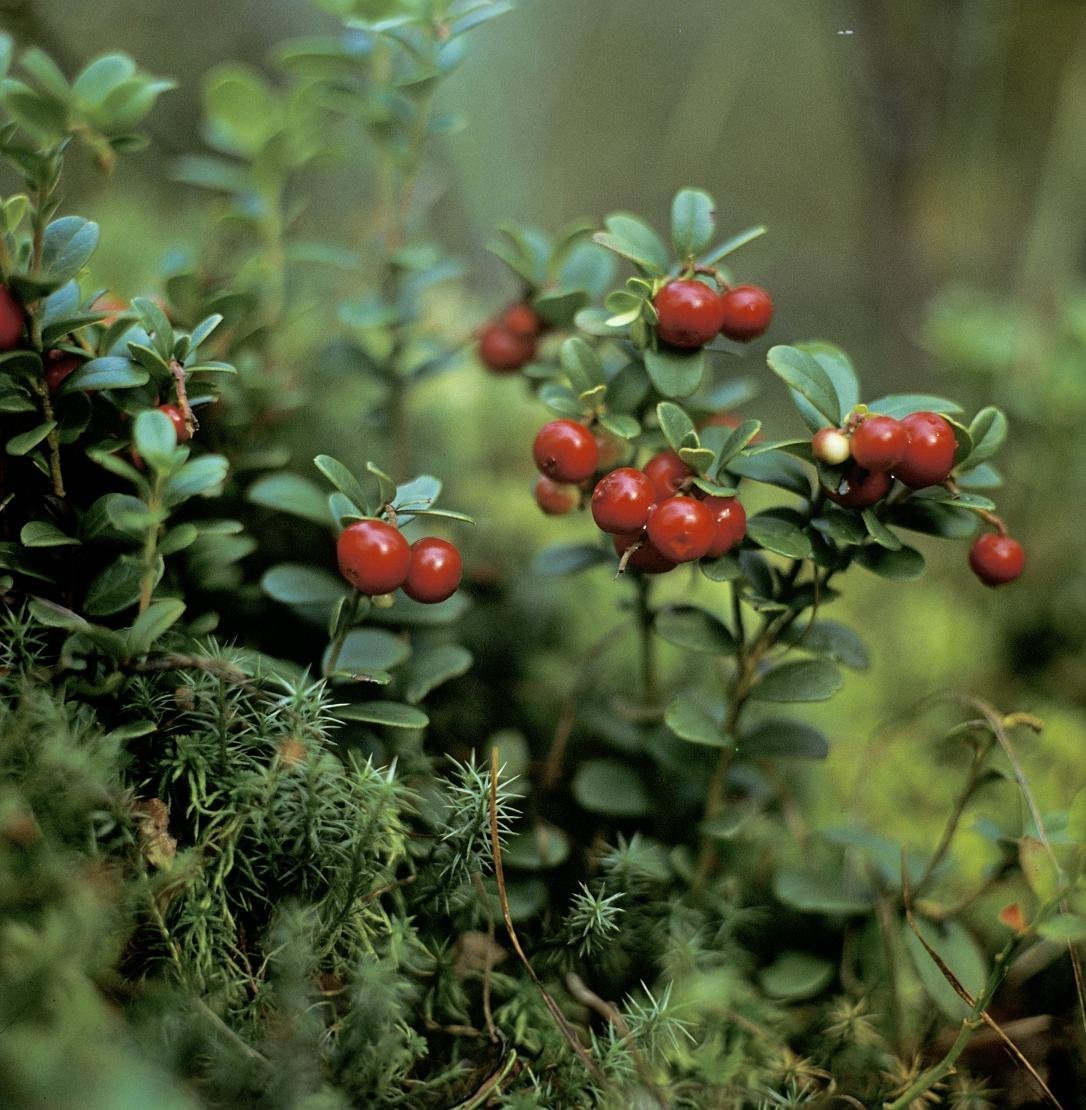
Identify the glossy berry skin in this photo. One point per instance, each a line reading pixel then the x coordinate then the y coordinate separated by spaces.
pixel 996 560
pixel 646 558
pixel 177 419
pixel 503 351
pixel 860 489
pixel 622 499
pixel 929 453
pixel 435 571
pixel 555 498
pixel 830 446
pixel 522 320
pixel 879 443
pixel 729 524
pixel 689 313
pixel 746 312
pixel 12 320
pixel 681 529
pixel 566 451
pixel 667 472
pixel 373 556
pixel 59 365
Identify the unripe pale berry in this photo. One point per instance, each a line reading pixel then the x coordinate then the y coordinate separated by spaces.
pixel 681 529
pixel 566 451
pixel 690 313
pixel 373 556
pixel 929 453
pixel 622 499
pixel 747 311
pixel 995 559
pixel 880 443
pixel 830 446
pixel 435 571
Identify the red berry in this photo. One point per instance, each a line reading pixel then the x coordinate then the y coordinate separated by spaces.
pixel 522 320
pixel 747 311
pixel 614 450
pixel 860 489
pixel 879 443
pixel 177 419
pixel 996 560
pixel 668 473
pixel 729 524
pixel 929 453
pixel 435 571
pixel 58 366
pixel 681 529
pixel 502 351
pixel 646 558
pixel 829 445
pixel 555 498
pixel 373 556
pixel 566 451
pixel 622 499
pixel 12 320
pixel 689 313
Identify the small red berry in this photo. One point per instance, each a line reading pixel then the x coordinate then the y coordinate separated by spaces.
pixel 435 571
pixel 177 419
pixel 646 558
pixel 879 443
pixel 729 524
pixel 929 453
pixel 996 560
pixel 681 529
pixel 59 365
pixel 522 320
pixel 831 446
pixel 502 351
pixel 860 489
pixel 668 473
pixel 747 311
pixel 622 499
pixel 566 451
pixel 689 313
pixel 12 320
pixel 555 498
pixel 373 556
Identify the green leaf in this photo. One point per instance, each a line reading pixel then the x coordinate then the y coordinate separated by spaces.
pixel 737 440
pixel 675 373
pixel 386 487
pixel 301 584
pixel 368 651
pixel 676 425
pixel 581 364
pixel 67 247
pixel 780 535
pixel 879 532
pixel 433 666
pixel 832 640
pixel 774 468
pixel 725 569
pixel 152 623
pixel 242 109
pixel 730 246
pixel 988 431
pixel 959 952
pixel 802 373
pixel 101 76
pixel 1068 927
pixel 156 324
pixel 819 894
pixel 203 477
pixel 838 367
pixel 25 442
pixel 291 494
pixel 803 680
pixel 561 400
pixel 568 558
pixel 794 976
pixel 420 493
pixel 111 372
pixel 1040 869
pixel 694 629
pixel 633 239
pixel 698 718
pixel 693 221
pixel 116 588
pixel 621 425
pixel 781 738
pixel 699 459
pixel 902 565
pixel 902 404
pixel 43 533
pixel 611 788
pixel 156 439
pixel 344 481
pixel 392 714
pixel 538 848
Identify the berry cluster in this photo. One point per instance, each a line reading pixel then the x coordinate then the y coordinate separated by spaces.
pixel 508 342
pixel 918 451
pixel 656 516
pixel 376 559
pixel 691 313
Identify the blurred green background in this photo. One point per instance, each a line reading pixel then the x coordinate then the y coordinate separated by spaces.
pixel 921 166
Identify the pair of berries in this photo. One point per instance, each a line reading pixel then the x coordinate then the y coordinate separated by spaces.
pixel 918 450
pixel 507 343
pixel 376 559
pixel 646 508
pixel 691 313
pixel 567 454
